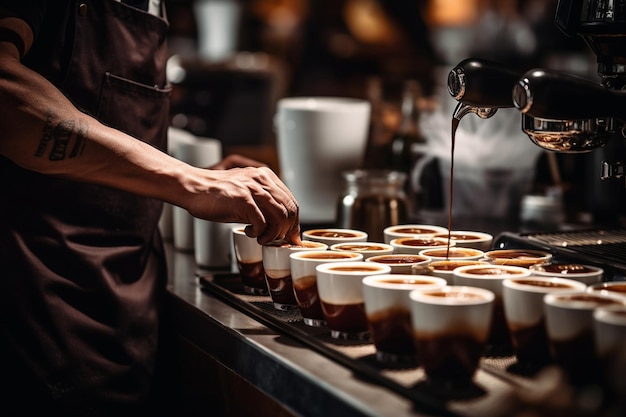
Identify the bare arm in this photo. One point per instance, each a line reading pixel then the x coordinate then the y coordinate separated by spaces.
pixel 32 106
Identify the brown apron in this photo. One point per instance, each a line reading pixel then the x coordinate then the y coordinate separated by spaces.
pixel 83 269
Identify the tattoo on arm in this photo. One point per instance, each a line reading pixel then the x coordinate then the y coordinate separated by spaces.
pixel 58 138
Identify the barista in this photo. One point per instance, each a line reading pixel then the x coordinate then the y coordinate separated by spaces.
pixel 84 118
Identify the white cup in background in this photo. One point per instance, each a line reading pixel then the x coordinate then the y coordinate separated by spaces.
pixel 218 24
pixel 317 139
pixel 202 152
pixel 211 244
pixel 174 137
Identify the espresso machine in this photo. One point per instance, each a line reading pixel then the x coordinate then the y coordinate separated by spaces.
pixel 561 112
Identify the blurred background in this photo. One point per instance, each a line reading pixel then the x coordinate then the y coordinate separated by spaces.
pixel 231 60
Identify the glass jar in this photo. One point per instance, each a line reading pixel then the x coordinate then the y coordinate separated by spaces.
pixel 372 200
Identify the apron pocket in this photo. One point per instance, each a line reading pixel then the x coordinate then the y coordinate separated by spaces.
pixel 139 110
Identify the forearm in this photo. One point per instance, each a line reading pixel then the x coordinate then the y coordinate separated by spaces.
pixel 42 131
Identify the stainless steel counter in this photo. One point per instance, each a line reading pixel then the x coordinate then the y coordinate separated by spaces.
pixel 305 382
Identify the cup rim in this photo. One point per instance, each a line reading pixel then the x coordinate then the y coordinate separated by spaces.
pixel 306 256
pixel 328 268
pixel 540 254
pixel 483 236
pixel 359 233
pixel 382 281
pixel 613 314
pixel 385 246
pixel 399 255
pixel 477 252
pixel 391 230
pixel 523 272
pixel 425 297
pixel 559 300
pixel 595 270
pixel 477 262
pixel 397 241
pixel 513 283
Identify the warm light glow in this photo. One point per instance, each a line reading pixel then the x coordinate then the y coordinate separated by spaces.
pixel 453 12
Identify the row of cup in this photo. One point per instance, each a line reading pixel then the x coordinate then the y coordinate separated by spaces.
pixel 326 297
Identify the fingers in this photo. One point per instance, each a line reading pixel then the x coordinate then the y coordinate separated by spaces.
pixel 280 212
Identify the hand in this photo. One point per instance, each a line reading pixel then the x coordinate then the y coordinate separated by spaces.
pixel 251 195
pixel 236 161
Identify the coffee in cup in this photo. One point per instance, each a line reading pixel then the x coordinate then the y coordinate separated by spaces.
pixel 340 288
pixel 277 267
pixel 517 257
pixel 453 253
pixel 304 278
pixel 409 230
pixel 450 329
pixel 490 277
pixel 415 244
pixel 368 249
pixel 569 326
pixel 400 263
pixel 524 312
pixel 330 236
pixel 388 310
pixel 249 255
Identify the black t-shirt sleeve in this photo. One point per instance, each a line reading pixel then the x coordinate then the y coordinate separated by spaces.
pixel 31 11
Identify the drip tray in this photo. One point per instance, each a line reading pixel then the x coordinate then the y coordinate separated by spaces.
pixel 603 248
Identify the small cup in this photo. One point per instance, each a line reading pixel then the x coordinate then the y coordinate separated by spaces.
pixel 586 274
pixel 517 257
pixel 490 277
pixel 400 263
pixel 331 236
pixel 609 329
pixel 408 230
pixel 455 253
pixel 249 255
pixel 569 326
pixel 304 279
pixel 415 244
pixel 450 329
pixel 469 239
pixel 524 313
pixel 388 310
pixel 340 287
pixel 444 269
pixel 609 287
pixel 368 249
pixel 276 263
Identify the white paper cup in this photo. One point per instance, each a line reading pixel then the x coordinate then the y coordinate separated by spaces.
pixel 388 310
pixel 277 267
pixel 524 312
pixel 202 152
pixel 490 277
pixel 450 327
pixel 569 326
pixel 340 286
pixel 304 278
pixel 249 255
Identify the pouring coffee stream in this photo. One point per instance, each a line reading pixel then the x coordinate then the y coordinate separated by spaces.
pixel 481 87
